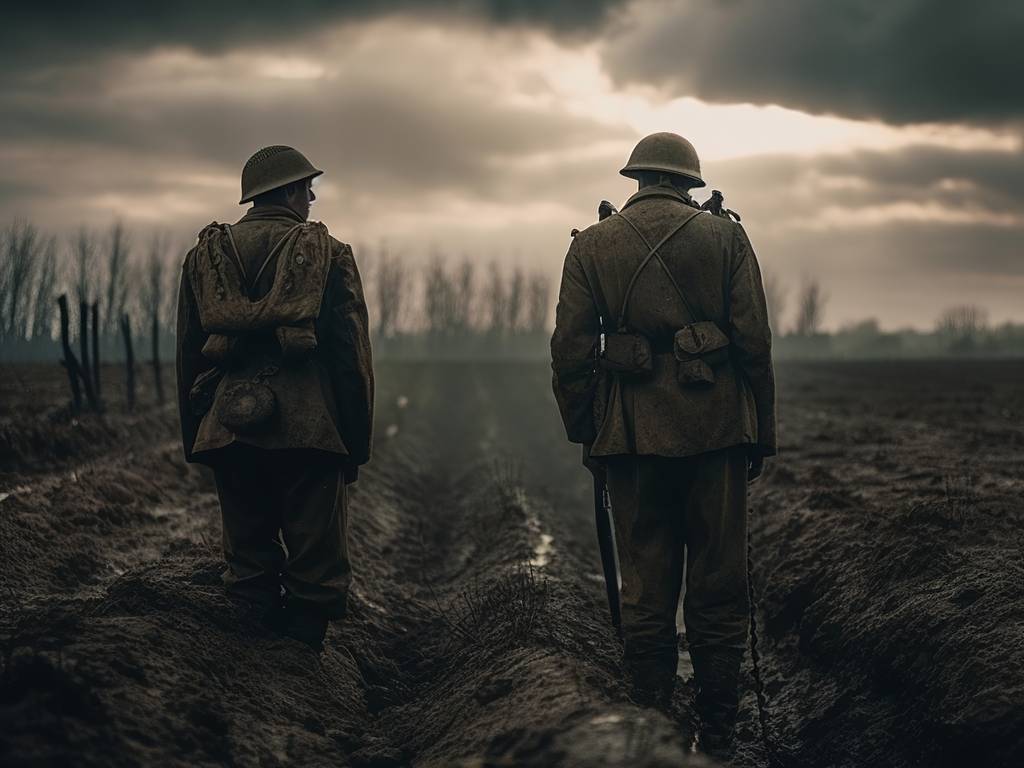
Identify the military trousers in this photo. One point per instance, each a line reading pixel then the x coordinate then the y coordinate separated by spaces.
pixel 284 516
pixel 665 508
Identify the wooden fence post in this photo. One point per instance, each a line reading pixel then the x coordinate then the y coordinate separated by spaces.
pixel 156 360
pixel 83 342
pixel 96 349
pixel 129 361
pixel 69 362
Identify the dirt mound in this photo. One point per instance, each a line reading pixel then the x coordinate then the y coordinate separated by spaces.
pixel 471 639
pixel 897 587
pixel 888 571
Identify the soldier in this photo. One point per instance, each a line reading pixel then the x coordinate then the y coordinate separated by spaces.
pixel 662 370
pixel 275 392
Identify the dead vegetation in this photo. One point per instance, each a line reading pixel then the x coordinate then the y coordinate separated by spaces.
pixel 458 652
pixel 505 610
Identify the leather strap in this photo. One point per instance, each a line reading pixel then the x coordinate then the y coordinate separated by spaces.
pixel 250 287
pixel 654 253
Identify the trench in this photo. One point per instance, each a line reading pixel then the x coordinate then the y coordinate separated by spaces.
pixel 478 633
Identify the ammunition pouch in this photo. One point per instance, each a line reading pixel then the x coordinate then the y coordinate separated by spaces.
pixel 218 347
pixel 248 407
pixel 203 391
pixel 297 342
pixel 699 349
pixel 628 354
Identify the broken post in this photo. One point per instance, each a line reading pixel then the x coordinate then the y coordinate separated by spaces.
pixel 69 362
pixel 96 349
pixel 83 342
pixel 82 367
pixel 129 361
pixel 156 360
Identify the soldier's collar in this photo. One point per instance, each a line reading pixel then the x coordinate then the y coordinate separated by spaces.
pixel 660 191
pixel 266 212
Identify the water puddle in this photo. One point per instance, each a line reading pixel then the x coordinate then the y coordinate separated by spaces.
pixel 15 491
pixel 542 552
pixel 545 542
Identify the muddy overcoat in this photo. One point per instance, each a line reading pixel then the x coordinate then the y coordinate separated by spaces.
pixel 714 264
pixel 325 401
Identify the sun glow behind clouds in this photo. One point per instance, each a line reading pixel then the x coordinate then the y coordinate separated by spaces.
pixel 728 131
pixel 530 71
pixel 485 141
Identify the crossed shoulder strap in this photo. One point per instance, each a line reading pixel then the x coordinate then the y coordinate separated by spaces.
pixel 250 286
pixel 654 253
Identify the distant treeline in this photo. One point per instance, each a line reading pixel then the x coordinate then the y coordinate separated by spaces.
pixel 124 279
pixel 437 307
pixel 960 331
pixel 440 306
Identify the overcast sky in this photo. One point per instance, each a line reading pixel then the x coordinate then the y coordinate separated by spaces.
pixel 878 147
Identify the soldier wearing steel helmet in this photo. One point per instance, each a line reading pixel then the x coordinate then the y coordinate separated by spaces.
pixel 275 389
pixel 662 370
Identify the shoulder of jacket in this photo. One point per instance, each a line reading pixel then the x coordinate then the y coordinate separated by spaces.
pixel 212 229
pixel 211 232
pixel 596 231
pixel 717 226
pixel 339 250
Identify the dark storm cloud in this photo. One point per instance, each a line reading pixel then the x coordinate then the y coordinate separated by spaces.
pixel 789 187
pixel 900 61
pixel 34 35
pixel 391 136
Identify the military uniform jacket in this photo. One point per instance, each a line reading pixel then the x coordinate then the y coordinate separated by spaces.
pixel 325 401
pixel 712 261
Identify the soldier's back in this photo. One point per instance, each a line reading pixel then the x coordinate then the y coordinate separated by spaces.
pixel 654 414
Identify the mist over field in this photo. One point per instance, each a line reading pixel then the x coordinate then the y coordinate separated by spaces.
pixel 875 153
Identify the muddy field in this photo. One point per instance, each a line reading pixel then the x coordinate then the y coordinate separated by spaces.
pixel 887 545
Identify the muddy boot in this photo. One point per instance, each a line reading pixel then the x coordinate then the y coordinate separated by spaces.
pixel 275 617
pixel 716 676
pixel 306 623
pixel 652 683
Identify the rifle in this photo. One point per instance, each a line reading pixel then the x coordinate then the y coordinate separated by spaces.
pixel 603 504
pixel 606 544
pixel 714 204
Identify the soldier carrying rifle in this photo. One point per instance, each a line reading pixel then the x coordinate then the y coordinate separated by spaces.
pixel 662 370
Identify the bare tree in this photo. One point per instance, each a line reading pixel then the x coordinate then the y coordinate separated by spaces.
pixel 538 302
pixel 439 297
pixel 84 249
pixel 515 300
pixel 465 283
pixel 964 320
pixel 117 278
pixel 961 327
pixel 775 294
pixel 496 297
pixel 22 243
pixel 810 308
pixel 46 291
pixel 392 288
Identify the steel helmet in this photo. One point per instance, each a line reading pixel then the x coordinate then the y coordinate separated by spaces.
pixel 665 153
pixel 273 167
